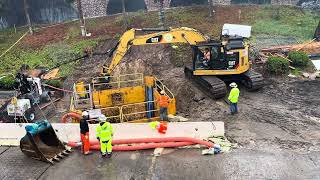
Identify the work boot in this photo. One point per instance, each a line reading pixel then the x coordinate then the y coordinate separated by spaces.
pixel 109 155
pixel 103 155
pixel 87 153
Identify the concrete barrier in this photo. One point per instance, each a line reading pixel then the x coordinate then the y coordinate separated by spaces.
pixel 10 133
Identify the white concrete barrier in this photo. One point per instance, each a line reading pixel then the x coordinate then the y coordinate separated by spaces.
pixel 10 133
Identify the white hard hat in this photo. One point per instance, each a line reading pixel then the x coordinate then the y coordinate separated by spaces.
pixel 233 84
pixel 85 113
pixel 162 92
pixel 102 118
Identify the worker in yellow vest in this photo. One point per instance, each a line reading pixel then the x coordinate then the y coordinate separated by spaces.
pixel 233 98
pixel 104 134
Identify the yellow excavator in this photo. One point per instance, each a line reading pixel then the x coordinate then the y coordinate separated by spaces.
pixel 228 61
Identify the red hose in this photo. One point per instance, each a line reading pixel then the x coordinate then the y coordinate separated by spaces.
pixel 156 140
pixel 68 115
pixel 151 143
pixel 59 89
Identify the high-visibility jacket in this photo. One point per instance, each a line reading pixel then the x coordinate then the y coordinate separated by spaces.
pixel 234 95
pixel 163 101
pixel 104 131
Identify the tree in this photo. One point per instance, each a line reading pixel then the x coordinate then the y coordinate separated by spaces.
pixel 210 8
pixel 125 18
pixel 161 12
pixel 82 25
pixel 26 11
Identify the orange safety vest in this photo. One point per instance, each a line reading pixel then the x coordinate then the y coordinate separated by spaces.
pixel 164 101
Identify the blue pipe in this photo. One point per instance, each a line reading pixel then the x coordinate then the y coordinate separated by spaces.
pixel 150 105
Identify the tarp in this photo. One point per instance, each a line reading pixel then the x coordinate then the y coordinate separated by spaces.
pixel 316 64
pixel 236 30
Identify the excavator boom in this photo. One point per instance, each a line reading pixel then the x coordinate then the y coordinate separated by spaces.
pixel 164 36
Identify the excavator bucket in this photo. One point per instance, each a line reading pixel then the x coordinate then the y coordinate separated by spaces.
pixel 41 143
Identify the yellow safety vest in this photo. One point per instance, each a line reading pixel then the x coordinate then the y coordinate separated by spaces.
pixel 104 132
pixel 234 95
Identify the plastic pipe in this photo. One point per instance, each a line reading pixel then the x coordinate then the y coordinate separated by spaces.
pixel 68 115
pixel 152 143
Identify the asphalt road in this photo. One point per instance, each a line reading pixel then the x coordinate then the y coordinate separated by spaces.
pixel 172 164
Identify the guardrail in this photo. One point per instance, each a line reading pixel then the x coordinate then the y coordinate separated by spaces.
pixel 159 85
pixel 137 115
pixel 120 81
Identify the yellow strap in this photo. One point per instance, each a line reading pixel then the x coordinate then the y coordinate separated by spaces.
pixel 14 44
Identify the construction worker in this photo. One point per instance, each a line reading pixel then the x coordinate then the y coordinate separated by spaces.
pixel 163 103
pixel 104 134
pixel 233 98
pixel 84 133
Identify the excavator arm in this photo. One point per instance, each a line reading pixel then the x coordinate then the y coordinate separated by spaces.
pixel 169 36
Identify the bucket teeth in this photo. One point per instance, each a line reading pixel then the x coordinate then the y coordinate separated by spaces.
pixel 56 158
pixel 60 155
pixel 65 152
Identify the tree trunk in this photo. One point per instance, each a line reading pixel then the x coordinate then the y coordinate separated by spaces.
pixel 210 8
pixel 124 13
pixel 161 14
pixel 26 11
pixel 82 25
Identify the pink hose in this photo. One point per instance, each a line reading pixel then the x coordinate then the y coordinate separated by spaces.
pixel 151 143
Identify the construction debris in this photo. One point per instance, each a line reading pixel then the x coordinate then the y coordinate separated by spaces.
pixel 173 118
pixel 311 47
pixel 221 145
pixel 292 76
pixel 157 152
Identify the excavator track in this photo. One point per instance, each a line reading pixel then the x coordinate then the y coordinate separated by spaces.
pixel 252 80
pixel 214 87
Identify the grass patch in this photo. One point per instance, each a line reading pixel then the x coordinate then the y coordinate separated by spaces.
pixel 10 36
pixel 50 56
pixel 285 21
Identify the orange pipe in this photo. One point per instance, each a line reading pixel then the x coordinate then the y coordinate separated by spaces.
pixel 71 114
pixel 151 143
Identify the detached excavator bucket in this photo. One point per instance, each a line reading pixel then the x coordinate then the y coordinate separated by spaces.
pixel 42 143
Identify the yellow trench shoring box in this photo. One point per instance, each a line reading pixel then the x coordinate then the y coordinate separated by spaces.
pixel 124 98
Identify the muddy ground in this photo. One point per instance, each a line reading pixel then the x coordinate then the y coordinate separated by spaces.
pixel 277 129
pixel 285 114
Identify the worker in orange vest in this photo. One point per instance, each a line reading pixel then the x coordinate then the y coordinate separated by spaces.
pixel 163 103
pixel 84 133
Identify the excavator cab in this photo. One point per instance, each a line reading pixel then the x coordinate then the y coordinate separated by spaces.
pixel 225 55
pixel 41 143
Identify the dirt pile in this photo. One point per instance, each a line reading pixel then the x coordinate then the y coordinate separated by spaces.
pixel 157 60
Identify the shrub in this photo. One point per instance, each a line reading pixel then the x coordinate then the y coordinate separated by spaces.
pixel 298 58
pixel 7 82
pixel 277 65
